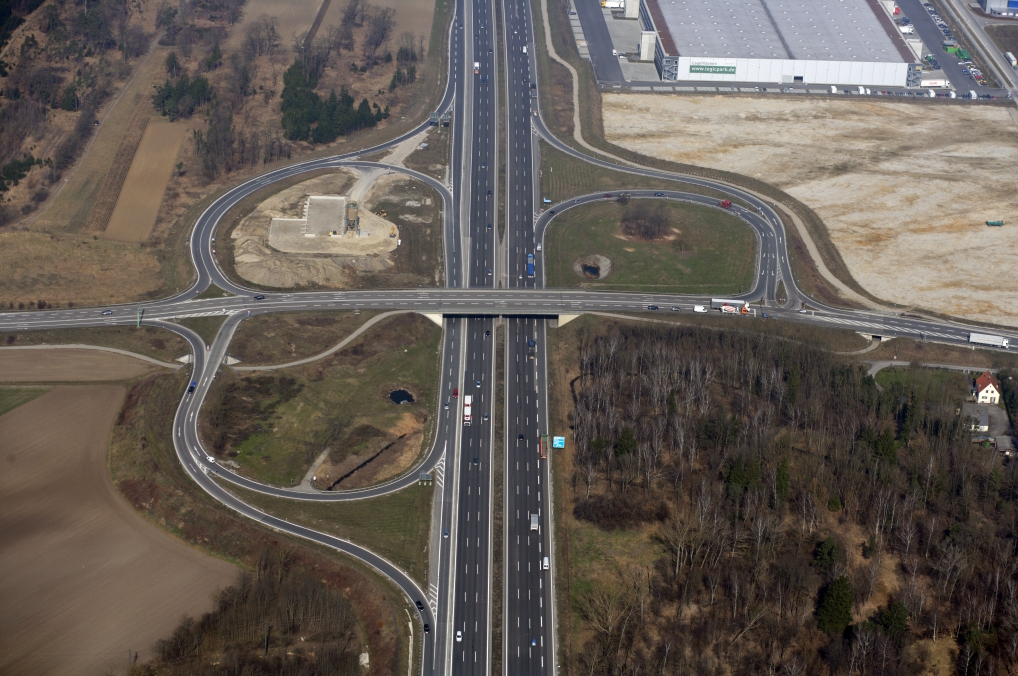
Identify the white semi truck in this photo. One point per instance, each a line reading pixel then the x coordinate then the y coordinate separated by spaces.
pixel 986 339
pixel 467 409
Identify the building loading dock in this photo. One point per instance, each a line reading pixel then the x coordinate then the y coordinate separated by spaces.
pixel 829 42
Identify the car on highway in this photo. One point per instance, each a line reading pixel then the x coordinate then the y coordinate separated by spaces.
pixel 659 194
pixel 455 392
pixel 107 313
pixel 607 195
pixel 260 297
pixel 765 316
pixel 489 193
pixel 538 246
pixel 446 404
pixel 459 636
pixel 576 201
pixel 489 272
pixel 445 533
pixel 478 383
pixel 533 641
pixel 427 628
pixel 420 606
pixel 477 461
pixel 485 416
pixel 521 437
pixel 487 334
pixel 190 388
pixel 552 212
pixel 652 307
pixel 675 308
pixel 699 308
pixel 802 312
pixel 210 458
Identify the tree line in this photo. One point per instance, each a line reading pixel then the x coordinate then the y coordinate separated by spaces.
pixel 751 460
pixel 308 117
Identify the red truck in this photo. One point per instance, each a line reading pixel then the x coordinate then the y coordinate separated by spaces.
pixel 727 204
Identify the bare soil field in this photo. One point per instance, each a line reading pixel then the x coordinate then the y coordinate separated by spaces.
pixel 282 337
pixel 64 365
pixel 83 577
pixel 904 189
pixel 142 193
pixel 293 17
pixel 411 206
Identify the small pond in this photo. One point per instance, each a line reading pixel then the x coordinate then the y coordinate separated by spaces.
pixel 593 271
pixel 401 397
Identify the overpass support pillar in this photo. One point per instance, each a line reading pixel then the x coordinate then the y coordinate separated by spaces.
pixel 435 317
pixel 562 320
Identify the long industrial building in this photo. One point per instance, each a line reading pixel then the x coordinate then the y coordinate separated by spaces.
pixel 829 42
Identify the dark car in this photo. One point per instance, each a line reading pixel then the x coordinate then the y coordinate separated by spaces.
pixel 455 392
pixel 477 461
pixel 489 192
pixel 607 195
pixel 420 606
pixel 521 437
pixel 659 194
pixel 765 316
pixel 552 212
pixel 487 334
pixel 190 388
pixel 427 629
pixel 260 297
pixel 652 307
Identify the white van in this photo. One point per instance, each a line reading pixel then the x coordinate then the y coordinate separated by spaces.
pixel 547 564
pixel 533 522
pixel 699 308
pixel 972 94
pixel 834 90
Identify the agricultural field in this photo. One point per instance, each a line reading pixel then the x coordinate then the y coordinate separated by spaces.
pixel 84 578
pixel 904 189
pixel 65 364
pixel 152 342
pixel 274 426
pixel 699 250
pixel 137 206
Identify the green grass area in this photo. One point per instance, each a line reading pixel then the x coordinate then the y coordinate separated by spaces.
pixel 206 327
pixel 274 426
pixel 148 340
pixel 704 250
pixel 12 397
pixel 282 337
pixel 923 379
pixel 396 526
pixel 564 177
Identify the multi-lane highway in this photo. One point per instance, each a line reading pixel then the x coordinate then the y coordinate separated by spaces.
pixel 487 281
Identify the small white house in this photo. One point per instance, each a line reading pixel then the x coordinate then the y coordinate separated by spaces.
pixel 987 389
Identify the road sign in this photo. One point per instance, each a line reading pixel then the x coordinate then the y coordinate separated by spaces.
pixel 558 442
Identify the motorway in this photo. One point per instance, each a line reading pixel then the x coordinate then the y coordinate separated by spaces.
pixel 486 282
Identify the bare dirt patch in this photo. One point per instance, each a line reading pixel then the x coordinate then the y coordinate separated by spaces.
pixel 65 365
pixel 293 18
pixel 142 193
pixel 84 577
pixel 391 201
pixel 903 189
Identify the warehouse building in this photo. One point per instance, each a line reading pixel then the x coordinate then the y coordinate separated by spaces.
pixel 828 42
pixel 1000 7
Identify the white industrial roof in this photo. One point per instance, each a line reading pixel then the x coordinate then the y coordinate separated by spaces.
pixel 826 30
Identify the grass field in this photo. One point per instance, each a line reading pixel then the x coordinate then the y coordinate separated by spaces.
pixel 907 349
pixel 83 577
pixel 1005 36
pixel 274 426
pixel 138 202
pixel 293 17
pixel 284 337
pixel 564 177
pixel 395 526
pixel 149 341
pixel 708 251
pixel 923 378
pixel 12 397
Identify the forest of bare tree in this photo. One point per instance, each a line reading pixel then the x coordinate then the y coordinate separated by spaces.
pixel 808 521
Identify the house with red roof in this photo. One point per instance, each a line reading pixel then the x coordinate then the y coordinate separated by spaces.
pixel 987 389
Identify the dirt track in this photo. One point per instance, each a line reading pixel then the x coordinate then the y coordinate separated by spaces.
pixel 25 366
pixel 83 577
pixel 904 189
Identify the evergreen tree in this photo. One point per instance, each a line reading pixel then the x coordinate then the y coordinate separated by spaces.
pixel 834 612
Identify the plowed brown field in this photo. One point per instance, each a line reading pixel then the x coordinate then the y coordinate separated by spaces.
pixel 138 203
pixel 83 578
pixel 65 365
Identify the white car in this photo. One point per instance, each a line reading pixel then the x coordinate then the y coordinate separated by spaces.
pixel 459 636
pixel 210 458
pixel 538 246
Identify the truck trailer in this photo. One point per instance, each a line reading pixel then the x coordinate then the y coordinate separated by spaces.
pixel 530 265
pixel 986 339
pixel 467 409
